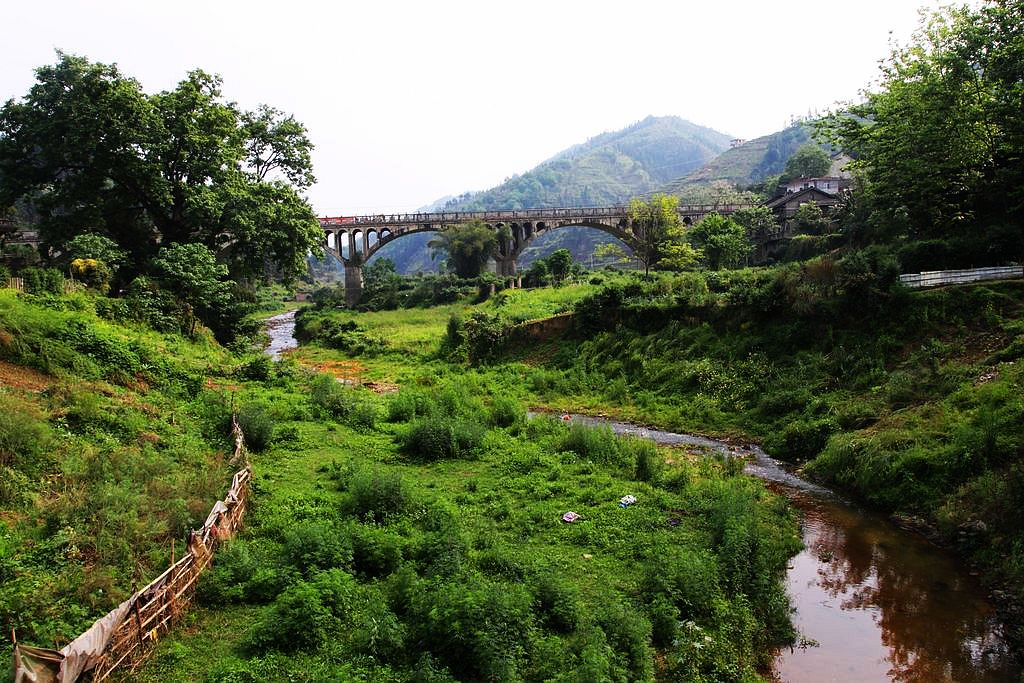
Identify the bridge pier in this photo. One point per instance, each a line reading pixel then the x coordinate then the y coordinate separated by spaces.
pixel 505 267
pixel 353 284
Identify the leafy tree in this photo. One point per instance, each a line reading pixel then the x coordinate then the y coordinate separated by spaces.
pixel 938 145
pixel 810 219
pixel 468 247
pixel 381 285
pixel 677 253
pixel 89 151
pixel 610 250
pixel 191 273
pixel 89 245
pixel 538 274
pixel 757 220
pixel 723 241
pixel 560 263
pixel 277 143
pixel 809 161
pixel 652 221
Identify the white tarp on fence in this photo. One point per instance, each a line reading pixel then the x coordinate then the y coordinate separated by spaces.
pixel 935 278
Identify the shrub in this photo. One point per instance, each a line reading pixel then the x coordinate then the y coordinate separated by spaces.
pixel 257 423
pixel 628 633
pixel 42 280
pixel 364 414
pixel 649 462
pixel 378 494
pixel 438 438
pixel 375 551
pixel 24 438
pixel 408 404
pixel 475 626
pixel 334 399
pixel 557 603
pixel 800 440
pixel 598 444
pixel 244 571
pixel 298 619
pixel 257 369
pixel 506 412
pixel 313 545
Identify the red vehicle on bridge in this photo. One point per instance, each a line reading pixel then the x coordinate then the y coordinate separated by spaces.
pixel 337 220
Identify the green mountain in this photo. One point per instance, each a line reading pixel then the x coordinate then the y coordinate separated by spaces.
pixel 606 169
pixel 743 165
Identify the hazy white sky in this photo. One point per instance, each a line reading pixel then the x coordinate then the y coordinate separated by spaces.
pixel 410 101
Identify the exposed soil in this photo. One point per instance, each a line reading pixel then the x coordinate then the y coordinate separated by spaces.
pixel 23 378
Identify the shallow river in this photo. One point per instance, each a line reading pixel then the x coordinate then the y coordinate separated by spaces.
pixel 281 329
pixel 873 602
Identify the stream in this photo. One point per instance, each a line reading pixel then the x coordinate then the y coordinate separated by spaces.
pixel 281 328
pixel 872 602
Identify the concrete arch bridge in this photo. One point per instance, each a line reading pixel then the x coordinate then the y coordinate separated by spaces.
pixel 354 239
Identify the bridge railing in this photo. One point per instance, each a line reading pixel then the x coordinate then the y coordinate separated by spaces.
pixel 617 211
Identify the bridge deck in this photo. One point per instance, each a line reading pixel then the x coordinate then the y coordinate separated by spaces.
pixel 558 214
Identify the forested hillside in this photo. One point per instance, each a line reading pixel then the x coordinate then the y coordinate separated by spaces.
pixel 607 169
pixel 747 164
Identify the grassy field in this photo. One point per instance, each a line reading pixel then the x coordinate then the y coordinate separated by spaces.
pixel 408 536
pixel 417 535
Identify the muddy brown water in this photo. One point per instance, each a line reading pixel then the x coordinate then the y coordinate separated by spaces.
pixel 872 602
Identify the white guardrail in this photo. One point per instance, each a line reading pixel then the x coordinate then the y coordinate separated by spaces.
pixel 935 278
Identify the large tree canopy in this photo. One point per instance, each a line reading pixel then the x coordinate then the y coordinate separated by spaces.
pixel 467 247
pixel 939 146
pixel 91 152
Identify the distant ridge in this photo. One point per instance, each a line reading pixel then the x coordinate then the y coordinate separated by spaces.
pixel 744 165
pixel 609 168
pixel 606 169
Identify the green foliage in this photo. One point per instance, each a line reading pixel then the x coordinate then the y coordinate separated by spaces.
pixel 653 223
pixel 722 241
pixel 441 437
pixel 376 495
pixel 190 272
pixel 467 247
pixel 939 132
pixel 311 546
pixel 809 161
pixel 181 166
pixel 42 280
pixel 810 219
pixel 89 245
pixel 257 423
pixel 506 412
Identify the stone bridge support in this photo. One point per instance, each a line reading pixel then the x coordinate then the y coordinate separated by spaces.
pixel 353 283
pixel 505 266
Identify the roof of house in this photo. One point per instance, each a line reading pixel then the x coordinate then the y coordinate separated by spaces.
pixel 809 194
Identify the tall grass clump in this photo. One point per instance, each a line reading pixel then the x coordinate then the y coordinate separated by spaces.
pixel 376 494
pixel 506 412
pixel 408 404
pixel 257 423
pixel 649 463
pixel 441 437
pixel 597 444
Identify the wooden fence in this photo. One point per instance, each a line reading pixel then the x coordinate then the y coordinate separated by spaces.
pixel 935 278
pixel 124 637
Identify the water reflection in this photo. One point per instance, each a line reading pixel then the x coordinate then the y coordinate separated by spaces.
pixel 884 605
pixel 874 602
